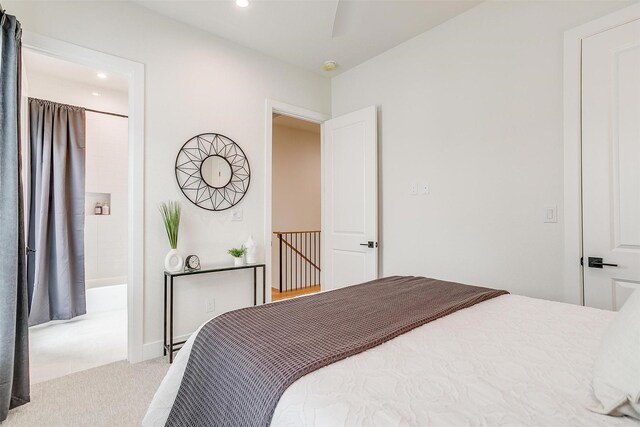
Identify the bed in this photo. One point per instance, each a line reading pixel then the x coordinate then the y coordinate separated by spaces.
pixel 509 360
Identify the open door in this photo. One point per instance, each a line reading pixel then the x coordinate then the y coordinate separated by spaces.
pixel 350 220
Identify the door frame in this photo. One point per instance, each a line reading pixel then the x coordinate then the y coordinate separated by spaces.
pixel 572 84
pixel 135 74
pixel 272 106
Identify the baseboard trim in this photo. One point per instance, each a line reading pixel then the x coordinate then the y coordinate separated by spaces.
pixel 153 350
pixel 106 281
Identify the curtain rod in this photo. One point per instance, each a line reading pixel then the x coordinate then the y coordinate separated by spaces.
pixel 86 109
pixel 106 112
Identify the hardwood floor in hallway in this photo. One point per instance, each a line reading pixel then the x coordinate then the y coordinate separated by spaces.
pixel 276 295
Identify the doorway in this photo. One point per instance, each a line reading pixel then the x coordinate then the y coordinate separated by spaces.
pixel 349 207
pixel 94 330
pixel 298 229
pixel 296 207
pixel 134 73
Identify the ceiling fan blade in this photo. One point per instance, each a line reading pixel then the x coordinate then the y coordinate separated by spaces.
pixel 345 18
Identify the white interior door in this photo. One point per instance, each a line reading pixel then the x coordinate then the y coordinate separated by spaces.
pixel 350 220
pixel 611 165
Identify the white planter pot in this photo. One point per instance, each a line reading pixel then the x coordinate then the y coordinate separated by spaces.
pixel 238 262
pixel 173 262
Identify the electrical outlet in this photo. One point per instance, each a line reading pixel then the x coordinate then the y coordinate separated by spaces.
pixel 236 215
pixel 424 189
pixel 210 305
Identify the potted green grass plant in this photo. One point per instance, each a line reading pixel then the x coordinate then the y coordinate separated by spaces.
pixel 170 211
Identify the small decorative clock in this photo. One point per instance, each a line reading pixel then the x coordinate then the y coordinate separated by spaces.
pixel 192 263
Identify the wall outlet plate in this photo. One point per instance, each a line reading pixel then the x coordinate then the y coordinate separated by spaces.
pixel 236 215
pixel 210 305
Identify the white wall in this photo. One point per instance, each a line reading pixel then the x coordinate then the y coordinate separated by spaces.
pixel 106 164
pixel 106 236
pixel 69 91
pixel 474 108
pixel 296 185
pixel 195 82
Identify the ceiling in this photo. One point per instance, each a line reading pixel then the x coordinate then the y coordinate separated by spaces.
pixel 301 32
pixel 61 69
pixel 292 122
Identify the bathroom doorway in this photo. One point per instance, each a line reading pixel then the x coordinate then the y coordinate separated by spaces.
pixel 99 333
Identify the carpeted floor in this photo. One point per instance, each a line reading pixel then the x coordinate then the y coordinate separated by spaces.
pixel 114 395
pixel 60 348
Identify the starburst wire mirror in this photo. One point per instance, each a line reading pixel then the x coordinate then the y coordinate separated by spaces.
pixel 212 171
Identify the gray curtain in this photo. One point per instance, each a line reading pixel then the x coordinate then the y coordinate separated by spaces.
pixel 56 219
pixel 14 332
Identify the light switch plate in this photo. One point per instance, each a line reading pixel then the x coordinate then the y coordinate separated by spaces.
pixel 210 305
pixel 551 213
pixel 236 215
pixel 413 188
pixel 425 189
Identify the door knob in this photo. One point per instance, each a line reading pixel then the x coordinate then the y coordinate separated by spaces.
pixel 370 244
pixel 595 262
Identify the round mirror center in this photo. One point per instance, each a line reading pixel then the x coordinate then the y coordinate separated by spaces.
pixel 216 171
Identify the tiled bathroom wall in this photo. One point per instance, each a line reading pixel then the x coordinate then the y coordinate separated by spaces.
pixel 106 181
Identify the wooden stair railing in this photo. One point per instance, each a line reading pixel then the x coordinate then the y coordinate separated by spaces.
pixel 299 259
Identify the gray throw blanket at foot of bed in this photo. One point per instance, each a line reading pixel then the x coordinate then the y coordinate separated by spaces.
pixel 242 361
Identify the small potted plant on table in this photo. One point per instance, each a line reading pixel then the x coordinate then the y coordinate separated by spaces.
pixel 238 255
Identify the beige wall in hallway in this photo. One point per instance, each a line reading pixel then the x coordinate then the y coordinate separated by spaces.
pixel 296 183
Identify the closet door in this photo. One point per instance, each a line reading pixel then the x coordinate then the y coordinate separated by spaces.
pixel 611 165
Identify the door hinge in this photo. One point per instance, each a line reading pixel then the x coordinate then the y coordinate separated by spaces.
pixel 581 260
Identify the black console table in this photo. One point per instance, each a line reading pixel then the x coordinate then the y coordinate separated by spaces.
pixel 171 347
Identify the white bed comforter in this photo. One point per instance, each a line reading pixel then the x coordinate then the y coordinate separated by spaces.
pixel 509 361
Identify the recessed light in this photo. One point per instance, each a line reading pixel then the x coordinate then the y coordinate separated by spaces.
pixel 102 75
pixel 242 3
pixel 95 94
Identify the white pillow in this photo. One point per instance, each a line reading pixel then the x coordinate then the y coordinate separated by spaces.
pixel 616 376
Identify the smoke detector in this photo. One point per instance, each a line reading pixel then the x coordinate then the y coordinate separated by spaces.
pixel 329 65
